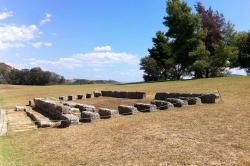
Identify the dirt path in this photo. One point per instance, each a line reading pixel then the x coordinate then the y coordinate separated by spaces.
pixel 19 122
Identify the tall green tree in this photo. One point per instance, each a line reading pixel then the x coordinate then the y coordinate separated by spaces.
pixel 152 71
pixel 242 41
pixel 158 65
pixel 218 41
pixel 229 34
pixel 161 52
pixel 184 31
pixel 200 58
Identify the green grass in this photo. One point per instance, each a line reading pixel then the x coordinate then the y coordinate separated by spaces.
pixel 10 155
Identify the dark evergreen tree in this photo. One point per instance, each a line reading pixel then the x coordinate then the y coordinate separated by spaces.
pixel 184 31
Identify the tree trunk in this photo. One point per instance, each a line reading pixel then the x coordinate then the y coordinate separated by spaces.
pixel 207 73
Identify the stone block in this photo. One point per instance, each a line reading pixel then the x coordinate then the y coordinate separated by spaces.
pixel 126 110
pixel 162 105
pixel 106 113
pixel 145 107
pixel 88 116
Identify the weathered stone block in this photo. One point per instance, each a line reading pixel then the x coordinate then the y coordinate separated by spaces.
pixel 104 93
pixel 126 110
pixel 177 102
pixel 123 94
pixel 31 104
pixel 40 120
pixel 116 94
pixel 62 98
pixel 89 95
pixel 106 113
pixel 162 105
pixel 88 116
pixel 84 107
pixel 51 108
pixel 68 119
pixel 81 97
pixel 140 95
pixel 145 107
pixel 191 100
pixel 20 108
pixel 70 104
pixel 160 96
pixel 132 95
pixel 208 98
pixel 70 98
pixel 97 94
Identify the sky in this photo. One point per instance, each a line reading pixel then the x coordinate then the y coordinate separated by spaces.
pixel 91 39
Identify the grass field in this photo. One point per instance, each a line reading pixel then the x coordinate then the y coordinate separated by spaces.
pixel 216 134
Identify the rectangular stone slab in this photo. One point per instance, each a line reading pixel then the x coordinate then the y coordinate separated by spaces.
pixel 145 107
pixel 106 113
pixel 176 102
pixel 88 116
pixel 162 105
pixel 126 110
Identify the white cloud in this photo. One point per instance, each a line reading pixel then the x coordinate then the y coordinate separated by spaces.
pixel 103 48
pixel 41 44
pixel 18 33
pixel 238 71
pixel 93 59
pixel 48 44
pixel 46 19
pixel 8 45
pixel 6 14
pixel 12 36
pixel 37 44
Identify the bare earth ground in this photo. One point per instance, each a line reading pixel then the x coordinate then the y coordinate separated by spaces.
pixel 217 134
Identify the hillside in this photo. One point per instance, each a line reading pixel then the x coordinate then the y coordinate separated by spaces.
pixel 216 134
pixel 86 81
pixel 20 75
pixel 4 72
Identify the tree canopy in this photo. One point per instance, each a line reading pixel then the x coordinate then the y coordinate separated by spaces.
pixel 200 44
pixel 34 76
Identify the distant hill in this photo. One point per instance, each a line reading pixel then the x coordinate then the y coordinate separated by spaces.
pixel 36 76
pixel 4 73
pixel 85 81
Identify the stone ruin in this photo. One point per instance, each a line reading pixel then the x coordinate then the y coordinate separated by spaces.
pixel 195 97
pixel 80 96
pixel 123 94
pixel 55 110
pixel 64 112
pixel 114 94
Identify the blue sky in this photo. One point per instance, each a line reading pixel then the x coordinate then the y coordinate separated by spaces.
pixel 93 39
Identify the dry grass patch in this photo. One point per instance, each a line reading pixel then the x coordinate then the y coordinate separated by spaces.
pixel 216 134
pixel 112 103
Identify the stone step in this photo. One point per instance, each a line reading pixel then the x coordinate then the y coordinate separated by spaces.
pixel 19 122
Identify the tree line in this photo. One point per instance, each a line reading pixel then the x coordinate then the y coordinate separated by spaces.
pixel 34 76
pixel 201 44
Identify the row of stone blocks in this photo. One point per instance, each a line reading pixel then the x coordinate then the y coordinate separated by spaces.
pixel 40 120
pixel 88 112
pixel 81 96
pixel 124 94
pixel 115 94
pixel 62 111
pixel 190 97
pixel 56 111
